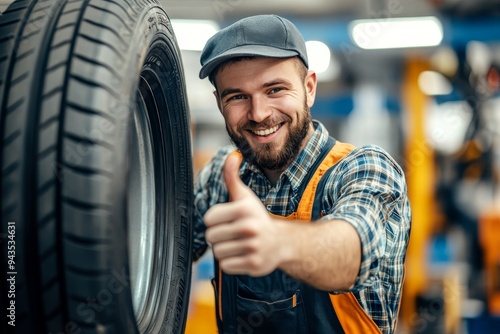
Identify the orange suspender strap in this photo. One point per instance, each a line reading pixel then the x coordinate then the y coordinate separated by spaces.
pixel 305 207
pixel 219 280
pixel 352 316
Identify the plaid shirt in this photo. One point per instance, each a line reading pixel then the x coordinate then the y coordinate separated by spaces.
pixel 367 189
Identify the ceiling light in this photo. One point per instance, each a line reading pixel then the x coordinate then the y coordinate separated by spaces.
pixel 434 83
pixel 444 60
pixel 446 125
pixel 318 55
pixel 397 32
pixel 478 57
pixel 192 35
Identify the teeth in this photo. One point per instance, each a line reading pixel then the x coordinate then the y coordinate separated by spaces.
pixel 267 131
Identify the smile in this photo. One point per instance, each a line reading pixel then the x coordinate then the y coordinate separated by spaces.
pixel 266 132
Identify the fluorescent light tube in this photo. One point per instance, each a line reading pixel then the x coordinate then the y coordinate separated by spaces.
pixel 192 35
pixel 397 32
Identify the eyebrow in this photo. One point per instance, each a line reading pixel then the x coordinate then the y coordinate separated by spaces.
pixel 228 91
pixel 276 82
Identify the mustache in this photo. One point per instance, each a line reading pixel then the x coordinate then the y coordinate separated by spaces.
pixel 267 123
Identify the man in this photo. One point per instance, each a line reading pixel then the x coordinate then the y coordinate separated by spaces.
pixel 309 234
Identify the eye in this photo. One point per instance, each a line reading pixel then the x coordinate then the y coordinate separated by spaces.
pixel 275 90
pixel 236 97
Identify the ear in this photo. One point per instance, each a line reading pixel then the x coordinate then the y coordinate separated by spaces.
pixel 310 84
pixel 217 99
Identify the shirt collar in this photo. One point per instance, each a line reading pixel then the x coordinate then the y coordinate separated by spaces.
pixel 300 166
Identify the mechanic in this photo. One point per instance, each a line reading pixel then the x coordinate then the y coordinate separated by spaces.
pixel 309 234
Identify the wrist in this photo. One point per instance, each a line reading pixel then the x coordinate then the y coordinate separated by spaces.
pixel 286 245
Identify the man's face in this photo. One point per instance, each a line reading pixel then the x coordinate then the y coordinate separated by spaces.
pixel 265 103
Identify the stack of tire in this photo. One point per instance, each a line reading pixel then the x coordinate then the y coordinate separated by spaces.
pixel 96 173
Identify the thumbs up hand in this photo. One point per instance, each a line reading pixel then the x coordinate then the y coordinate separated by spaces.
pixel 243 235
pixel 236 188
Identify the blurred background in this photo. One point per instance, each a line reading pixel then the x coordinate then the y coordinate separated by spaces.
pixel 419 78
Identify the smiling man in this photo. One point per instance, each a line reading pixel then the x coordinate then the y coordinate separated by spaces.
pixel 309 234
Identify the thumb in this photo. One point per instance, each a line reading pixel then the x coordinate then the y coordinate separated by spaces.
pixel 234 185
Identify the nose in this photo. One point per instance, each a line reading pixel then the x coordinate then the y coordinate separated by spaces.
pixel 259 109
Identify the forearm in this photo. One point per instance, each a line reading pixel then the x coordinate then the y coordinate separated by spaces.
pixel 326 255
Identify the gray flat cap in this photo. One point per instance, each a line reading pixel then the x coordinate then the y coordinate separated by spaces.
pixel 261 35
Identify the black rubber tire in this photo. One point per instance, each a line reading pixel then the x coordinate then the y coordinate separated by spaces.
pixel 75 77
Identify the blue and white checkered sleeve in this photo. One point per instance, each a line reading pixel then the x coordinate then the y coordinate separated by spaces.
pixel 201 198
pixel 364 191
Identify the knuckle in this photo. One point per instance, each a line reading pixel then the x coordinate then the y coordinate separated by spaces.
pixel 208 235
pixel 252 246
pixel 254 263
pixel 248 227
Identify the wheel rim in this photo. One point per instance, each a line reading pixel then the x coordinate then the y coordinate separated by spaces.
pixel 152 199
pixel 141 208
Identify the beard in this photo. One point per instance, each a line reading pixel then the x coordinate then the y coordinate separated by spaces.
pixel 269 156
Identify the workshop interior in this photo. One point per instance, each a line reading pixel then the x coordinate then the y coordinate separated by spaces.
pixel 422 80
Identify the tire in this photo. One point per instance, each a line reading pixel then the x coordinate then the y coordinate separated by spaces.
pixel 96 172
